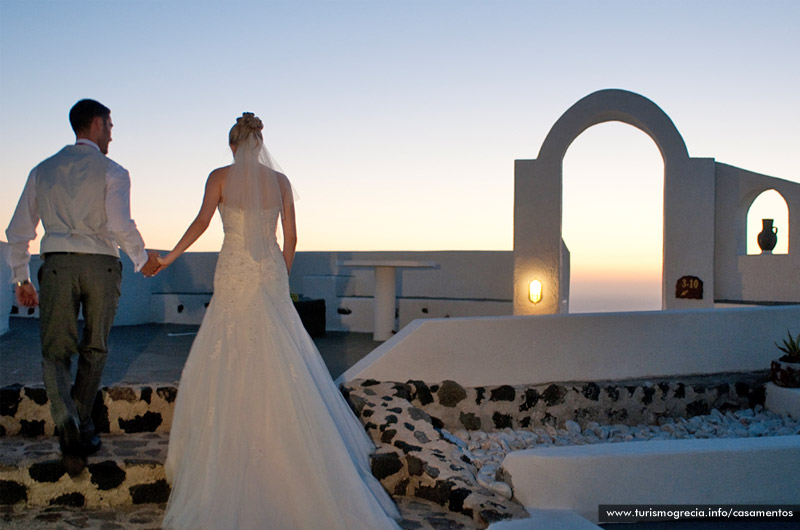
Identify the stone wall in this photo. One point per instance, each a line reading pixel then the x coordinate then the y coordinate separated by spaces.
pixel 456 407
pixel 417 456
pixel 25 411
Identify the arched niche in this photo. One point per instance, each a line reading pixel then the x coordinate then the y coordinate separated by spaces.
pixel 767 204
pixel 539 251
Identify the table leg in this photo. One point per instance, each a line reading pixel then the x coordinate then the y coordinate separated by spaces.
pixel 385 293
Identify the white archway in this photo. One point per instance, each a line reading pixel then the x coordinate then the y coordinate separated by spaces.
pixel 613 219
pixel 539 252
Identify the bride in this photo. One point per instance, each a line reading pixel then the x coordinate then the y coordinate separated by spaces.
pixel 261 438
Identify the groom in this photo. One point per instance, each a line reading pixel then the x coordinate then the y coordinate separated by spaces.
pixel 83 201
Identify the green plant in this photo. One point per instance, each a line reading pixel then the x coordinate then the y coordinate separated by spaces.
pixel 791 348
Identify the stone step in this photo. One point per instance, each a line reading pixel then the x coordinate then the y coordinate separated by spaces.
pixel 417 515
pixel 547 519
pixel 119 409
pixel 123 486
pixel 127 471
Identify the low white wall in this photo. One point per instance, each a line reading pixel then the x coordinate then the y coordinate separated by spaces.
pixel 410 309
pixel 6 291
pixel 694 472
pixel 761 277
pixel 134 301
pixel 180 308
pixel 582 347
pixel 466 283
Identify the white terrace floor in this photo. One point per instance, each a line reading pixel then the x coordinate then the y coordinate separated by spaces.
pixel 156 353
pixel 151 352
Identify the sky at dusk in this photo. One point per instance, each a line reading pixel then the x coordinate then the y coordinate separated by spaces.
pixel 399 122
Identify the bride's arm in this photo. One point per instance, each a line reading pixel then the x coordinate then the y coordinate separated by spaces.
pixel 288 223
pixel 211 200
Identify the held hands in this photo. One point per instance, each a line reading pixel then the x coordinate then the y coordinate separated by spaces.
pixel 26 295
pixel 153 266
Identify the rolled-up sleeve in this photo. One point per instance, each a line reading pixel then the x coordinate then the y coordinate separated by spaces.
pixel 118 213
pixel 22 230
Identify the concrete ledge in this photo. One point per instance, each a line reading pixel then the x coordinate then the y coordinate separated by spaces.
pixel 549 519
pixel 581 347
pixel 783 401
pixel 6 294
pixel 725 471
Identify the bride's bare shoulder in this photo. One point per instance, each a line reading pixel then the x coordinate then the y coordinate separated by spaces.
pixel 219 174
pixel 283 180
pixel 216 180
pixel 221 170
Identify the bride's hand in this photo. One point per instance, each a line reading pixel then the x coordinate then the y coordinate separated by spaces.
pixel 152 266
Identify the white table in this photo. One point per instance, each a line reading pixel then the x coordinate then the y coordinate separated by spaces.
pixel 386 289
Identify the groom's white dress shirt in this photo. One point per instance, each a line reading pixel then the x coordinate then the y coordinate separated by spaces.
pixel 87 209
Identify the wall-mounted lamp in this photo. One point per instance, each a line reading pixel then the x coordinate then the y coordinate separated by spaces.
pixel 535 291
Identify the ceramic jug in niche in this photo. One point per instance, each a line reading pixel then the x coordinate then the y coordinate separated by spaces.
pixel 768 236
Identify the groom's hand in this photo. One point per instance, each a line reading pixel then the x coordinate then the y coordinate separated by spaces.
pixel 26 295
pixel 152 267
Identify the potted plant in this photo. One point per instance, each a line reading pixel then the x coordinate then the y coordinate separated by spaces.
pixel 786 370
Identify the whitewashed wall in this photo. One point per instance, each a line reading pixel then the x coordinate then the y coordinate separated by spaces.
pixel 758 277
pixel 135 298
pixel 521 350
pixel 465 283
pixel 6 291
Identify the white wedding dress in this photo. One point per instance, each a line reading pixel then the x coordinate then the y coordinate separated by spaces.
pixel 261 437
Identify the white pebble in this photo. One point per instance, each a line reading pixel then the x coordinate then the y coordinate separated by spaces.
pixel 572 427
pixel 501 488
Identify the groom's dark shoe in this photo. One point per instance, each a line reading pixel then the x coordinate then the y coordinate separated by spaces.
pixel 91 444
pixel 69 437
pixel 74 463
pixel 90 440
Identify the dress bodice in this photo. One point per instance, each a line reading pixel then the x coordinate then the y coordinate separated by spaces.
pixel 236 267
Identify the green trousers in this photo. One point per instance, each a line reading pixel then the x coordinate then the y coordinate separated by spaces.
pixel 68 284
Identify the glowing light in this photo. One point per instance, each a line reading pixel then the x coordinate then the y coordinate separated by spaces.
pixel 535 291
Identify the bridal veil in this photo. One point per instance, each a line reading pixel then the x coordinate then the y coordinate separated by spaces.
pixel 255 185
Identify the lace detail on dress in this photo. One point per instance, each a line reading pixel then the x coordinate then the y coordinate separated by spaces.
pixel 236 269
pixel 261 437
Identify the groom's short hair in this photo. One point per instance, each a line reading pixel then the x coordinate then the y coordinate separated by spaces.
pixel 84 112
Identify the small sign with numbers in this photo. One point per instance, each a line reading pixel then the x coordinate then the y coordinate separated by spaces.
pixel 689 287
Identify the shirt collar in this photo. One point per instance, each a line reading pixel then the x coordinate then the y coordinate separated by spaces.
pixel 86 141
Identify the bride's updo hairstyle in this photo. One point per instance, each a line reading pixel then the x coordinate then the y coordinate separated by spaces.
pixel 248 126
pixel 252 185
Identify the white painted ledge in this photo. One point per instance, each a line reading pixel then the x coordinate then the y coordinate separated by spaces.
pixel 712 471
pixel 527 350
pixel 6 293
pixel 547 519
pixel 783 401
